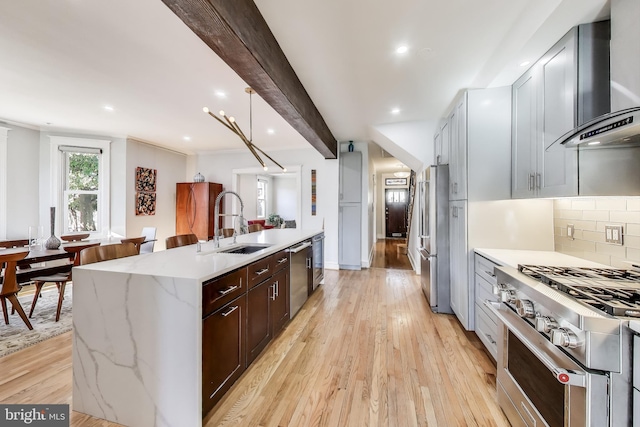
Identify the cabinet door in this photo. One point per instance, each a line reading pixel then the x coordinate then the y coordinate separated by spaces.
pixel 351 177
pixel 524 135
pixel 259 323
pixel 223 350
pixel 441 143
pixel 279 301
pixel 349 236
pixel 460 177
pixel 557 168
pixel 459 262
pixel 453 153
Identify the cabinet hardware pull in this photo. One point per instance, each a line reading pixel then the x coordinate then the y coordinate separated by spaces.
pixel 455 187
pixel 538 181
pixel 438 159
pixel 261 272
pixel 491 340
pixel 231 310
pixel 531 182
pixel 309 263
pixel 490 273
pixel 276 287
pixel 281 260
pixel 228 290
pixel 272 297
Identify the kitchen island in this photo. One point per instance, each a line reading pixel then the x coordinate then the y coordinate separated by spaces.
pixel 138 327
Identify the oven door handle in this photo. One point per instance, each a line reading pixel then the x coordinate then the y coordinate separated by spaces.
pixel 564 376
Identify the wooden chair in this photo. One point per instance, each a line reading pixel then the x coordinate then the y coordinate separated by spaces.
pixel 255 227
pixel 60 280
pixel 10 288
pixel 181 240
pixel 228 232
pixel 14 243
pixel 150 239
pixel 137 242
pixel 107 252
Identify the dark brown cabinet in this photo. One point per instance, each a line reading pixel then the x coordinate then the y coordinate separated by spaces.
pixel 195 204
pixel 259 322
pixel 279 301
pixel 223 350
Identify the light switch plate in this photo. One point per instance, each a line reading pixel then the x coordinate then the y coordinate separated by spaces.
pixel 570 230
pixel 613 234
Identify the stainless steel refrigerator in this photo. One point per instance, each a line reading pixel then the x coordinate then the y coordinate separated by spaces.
pixel 434 238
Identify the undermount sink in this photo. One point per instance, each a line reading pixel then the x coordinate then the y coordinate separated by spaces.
pixel 244 249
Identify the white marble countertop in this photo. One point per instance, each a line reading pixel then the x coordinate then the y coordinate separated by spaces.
pixel 512 257
pixel 185 263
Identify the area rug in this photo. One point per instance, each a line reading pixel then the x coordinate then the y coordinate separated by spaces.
pixel 16 336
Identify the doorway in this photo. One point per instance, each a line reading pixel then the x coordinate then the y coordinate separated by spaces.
pixel 396 202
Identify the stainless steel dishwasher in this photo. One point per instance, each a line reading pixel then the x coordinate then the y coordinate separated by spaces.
pixel 299 278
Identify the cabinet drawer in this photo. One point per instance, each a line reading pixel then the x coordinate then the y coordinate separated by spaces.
pixel 259 271
pixel 487 331
pixel 280 260
pixel 484 268
pixel 484 291
pixel 219 291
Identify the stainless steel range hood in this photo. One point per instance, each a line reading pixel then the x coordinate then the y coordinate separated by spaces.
pixel 609 145
pixel 620 128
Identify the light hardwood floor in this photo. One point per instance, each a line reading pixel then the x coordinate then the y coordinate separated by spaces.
pixel 364 350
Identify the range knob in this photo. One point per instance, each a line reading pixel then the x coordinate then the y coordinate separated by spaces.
pixel 507 295
pixel 564 338
pixel 545 323
pixel 524 307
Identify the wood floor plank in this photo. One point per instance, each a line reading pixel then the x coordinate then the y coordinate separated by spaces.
pixel 364 350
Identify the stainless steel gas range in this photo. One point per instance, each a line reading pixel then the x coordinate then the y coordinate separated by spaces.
pixel 564 357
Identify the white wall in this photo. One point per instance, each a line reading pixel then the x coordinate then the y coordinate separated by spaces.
pixel 171 169
pixel 285 200
pixel 248 191
pixel 217 167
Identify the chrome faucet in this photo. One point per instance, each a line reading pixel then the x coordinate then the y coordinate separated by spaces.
pixel 216 215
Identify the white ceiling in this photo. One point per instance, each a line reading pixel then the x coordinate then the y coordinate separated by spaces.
pixel 63 61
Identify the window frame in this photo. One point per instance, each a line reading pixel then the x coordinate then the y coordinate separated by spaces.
pixel 58 180
pixel 263 198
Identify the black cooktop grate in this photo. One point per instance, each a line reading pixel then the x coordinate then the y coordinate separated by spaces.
pixel 614 291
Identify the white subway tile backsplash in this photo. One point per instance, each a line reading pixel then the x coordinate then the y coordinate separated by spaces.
pixel 583 204
pixel 624 216
pixel 596 215
pixel 633 204
pixel 589 217
pixel 611 204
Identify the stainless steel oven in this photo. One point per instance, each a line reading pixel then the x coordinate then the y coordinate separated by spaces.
pixel 539 385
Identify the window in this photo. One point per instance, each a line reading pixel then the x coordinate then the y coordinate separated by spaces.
pixel 80 189
pixel 80 185
pixel 261 207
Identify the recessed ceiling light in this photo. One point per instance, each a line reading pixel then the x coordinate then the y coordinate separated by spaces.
pixel 108 107
pixel 220 94
pixel 402 49
pixel 271 131
pixel 395 111
pixel 524 63
pixel 186 138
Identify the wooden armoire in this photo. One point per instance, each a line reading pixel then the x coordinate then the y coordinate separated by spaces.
pixel 195 204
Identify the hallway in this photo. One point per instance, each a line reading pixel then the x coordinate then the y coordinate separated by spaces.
pixel 386 255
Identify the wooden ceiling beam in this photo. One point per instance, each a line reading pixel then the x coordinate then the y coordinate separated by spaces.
pixel 236 31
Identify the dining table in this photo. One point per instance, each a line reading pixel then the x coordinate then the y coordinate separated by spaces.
pixel 42 262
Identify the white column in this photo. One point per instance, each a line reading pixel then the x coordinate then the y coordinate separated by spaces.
pixel 4 134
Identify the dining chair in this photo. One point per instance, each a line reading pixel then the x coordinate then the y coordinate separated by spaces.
pixel 14 243
pixel 150 239
pixel 137 242
pixel 10 288
pixel 61 279
pixel 107 252
pixel 181 240
pixel 255 227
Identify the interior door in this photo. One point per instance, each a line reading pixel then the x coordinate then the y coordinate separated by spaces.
pixel 396 201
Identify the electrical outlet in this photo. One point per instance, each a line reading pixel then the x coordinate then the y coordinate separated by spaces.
pixel 570 230
pixel 613 234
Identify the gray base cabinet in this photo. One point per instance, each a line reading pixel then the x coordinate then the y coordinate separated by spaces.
pixel 486 322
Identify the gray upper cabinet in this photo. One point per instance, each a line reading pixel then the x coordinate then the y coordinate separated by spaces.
pixel 441 144
pixel 565 88
pixel 544 108
pixel 351 177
